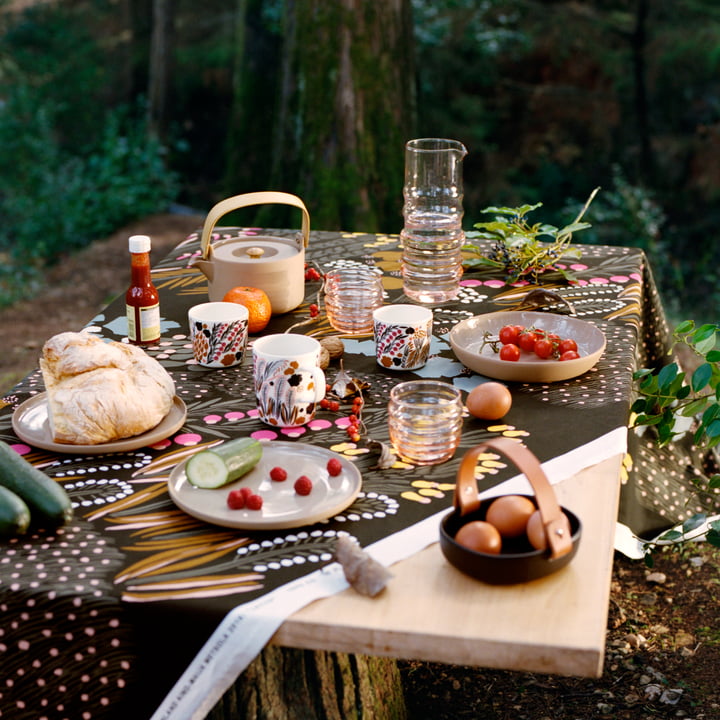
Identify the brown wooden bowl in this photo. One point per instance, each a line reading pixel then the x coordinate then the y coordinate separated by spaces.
pixel 518 561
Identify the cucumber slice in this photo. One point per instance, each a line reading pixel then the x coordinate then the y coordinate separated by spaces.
pixel 222 464
pixel 14 513
pixel 46 498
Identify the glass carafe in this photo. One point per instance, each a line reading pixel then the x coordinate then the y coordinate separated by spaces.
pixel 432 236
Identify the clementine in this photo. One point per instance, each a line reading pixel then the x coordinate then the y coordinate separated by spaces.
pixel 256 301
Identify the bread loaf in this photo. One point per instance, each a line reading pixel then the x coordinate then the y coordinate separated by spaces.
pixel 100 391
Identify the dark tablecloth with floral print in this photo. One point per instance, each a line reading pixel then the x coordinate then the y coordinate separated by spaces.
pixel 99 618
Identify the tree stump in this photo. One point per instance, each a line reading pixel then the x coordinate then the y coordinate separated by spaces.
pixel 290 684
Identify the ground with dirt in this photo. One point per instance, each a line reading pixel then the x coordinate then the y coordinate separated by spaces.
pixel 663 640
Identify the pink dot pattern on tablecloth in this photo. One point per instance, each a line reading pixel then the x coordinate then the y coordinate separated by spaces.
pixel 188 439
pixel 264 435
pixel 319 424
pixel 294 431
pixel 36 644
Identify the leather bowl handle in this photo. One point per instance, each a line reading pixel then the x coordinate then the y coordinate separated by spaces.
pixel 257 198
pixel 555 522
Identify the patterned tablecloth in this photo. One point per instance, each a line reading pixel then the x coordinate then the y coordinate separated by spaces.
pixel 104 614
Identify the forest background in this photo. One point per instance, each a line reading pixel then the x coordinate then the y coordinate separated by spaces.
pixel 114 109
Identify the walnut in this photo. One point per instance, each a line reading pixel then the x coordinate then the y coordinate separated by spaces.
pixel 334 346
pixel 324 358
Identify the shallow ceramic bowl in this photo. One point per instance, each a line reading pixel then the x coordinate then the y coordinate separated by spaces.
pixel 466 339
pixel 518 562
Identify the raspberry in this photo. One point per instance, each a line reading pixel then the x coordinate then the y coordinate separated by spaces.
pixel 278 474
pixel 236 500
pixel 254 502
pixel 246 491
pixel 303 485
pixel 334 466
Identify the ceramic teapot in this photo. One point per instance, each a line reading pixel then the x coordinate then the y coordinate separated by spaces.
pixel 273 264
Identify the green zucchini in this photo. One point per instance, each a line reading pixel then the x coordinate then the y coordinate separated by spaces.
pixel 221 464
pixel 48 502
pixel 14 513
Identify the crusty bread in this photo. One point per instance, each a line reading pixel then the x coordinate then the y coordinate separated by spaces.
pixel 100 391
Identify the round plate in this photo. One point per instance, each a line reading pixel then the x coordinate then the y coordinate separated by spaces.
pixel 466 339
pixel 282 506
pixel 30 423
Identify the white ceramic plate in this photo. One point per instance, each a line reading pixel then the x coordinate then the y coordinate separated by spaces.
pixel 282 506
pixel 30 423
pixel 466 339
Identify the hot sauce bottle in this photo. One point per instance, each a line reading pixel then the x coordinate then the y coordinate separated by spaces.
pixel 141 299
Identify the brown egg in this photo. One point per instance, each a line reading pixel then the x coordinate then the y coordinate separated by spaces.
pixel 536 532
pixel 479 536
pixel 489 401
pixel 510 514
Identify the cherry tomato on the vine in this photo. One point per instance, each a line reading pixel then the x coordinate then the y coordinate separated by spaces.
pixel 569 355
pixel 544 348
pixel 527 340
pixel 509 334
pixel 567 344
pixel 510 352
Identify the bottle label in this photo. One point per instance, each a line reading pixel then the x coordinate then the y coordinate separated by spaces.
pixel 143 323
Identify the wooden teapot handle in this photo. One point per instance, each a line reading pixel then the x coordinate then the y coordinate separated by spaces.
pixel 554 520
pixel 256 198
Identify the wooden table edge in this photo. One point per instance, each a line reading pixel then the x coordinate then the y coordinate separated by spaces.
pixel 558 640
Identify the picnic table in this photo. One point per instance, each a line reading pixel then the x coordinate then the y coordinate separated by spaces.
pixel 138 607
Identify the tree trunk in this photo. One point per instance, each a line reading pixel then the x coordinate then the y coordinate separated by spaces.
pixel 161 54
pixel 638 41
pixel 289 684
pixel 346 109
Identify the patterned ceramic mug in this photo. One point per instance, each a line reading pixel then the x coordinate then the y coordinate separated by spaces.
pixel 288 380
pixel 219 333
pixel 402 336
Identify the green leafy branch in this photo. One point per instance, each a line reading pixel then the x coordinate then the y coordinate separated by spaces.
pixel 516 246
pixel 668 400
pixel 690 530
pixel 672 404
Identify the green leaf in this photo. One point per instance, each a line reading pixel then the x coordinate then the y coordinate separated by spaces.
pixel 713 537
pixel 649 385
pixel 643 372
pixel 710 413
pixel 573 227
pixel 639 406
pixel 701 377
pixel 694 522
pixel 694 407
pixel 647 420
pixel 715 525
pixel 685 327
pixel 671 536
pixel 714 484
pixel 713 356
pixel 665 434
pixel 704 332
pixel 712 429
pixel 667 375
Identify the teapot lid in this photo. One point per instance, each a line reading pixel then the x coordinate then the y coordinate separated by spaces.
pixel 257 249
